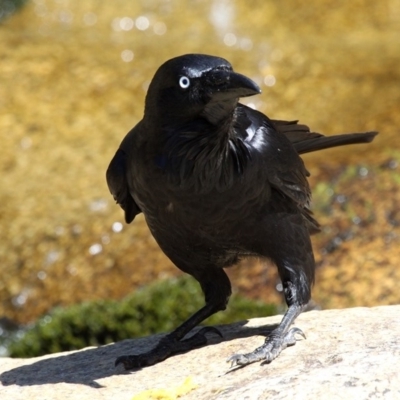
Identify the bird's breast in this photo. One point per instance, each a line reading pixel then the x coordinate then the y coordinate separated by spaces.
pixel 210 215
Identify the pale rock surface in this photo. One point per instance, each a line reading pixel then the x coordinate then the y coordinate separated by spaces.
pixel 348 354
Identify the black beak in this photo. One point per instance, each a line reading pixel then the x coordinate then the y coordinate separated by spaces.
pixel 224 88
pixel 226 84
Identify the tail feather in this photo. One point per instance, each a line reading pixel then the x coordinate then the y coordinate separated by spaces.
pixel 305 141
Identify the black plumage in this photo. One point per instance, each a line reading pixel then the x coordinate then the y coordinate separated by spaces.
pixel 218 181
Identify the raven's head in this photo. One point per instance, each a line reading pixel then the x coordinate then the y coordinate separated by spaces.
pixel 196 86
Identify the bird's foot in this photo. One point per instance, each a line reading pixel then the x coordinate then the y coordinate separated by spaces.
pixel 273 346
pixel 167 347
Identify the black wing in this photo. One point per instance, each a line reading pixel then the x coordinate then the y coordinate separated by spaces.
pixel 285 169
pixel 305 141
pixel 117 183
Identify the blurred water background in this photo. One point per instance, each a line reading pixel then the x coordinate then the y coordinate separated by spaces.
pixel 73 76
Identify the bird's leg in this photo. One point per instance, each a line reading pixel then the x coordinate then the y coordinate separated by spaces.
pixel 172 343
pixel 296 269
pixel 277 340
pixel 217 291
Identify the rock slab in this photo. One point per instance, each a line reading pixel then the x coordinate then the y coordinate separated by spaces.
pixel 348 354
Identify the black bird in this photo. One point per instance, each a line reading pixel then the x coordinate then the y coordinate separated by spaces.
pixel 218 181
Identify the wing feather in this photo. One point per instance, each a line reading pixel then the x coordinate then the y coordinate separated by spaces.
pixel 117 183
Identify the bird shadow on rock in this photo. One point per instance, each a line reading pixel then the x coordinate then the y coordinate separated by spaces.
pixel 87 366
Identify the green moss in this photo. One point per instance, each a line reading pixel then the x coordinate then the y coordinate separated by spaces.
pixel 323 193
pixel 9 7
pixel 157 308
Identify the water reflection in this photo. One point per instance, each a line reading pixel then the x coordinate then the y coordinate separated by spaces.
pixel 96 248
pixel 125 24
pixel 269 80
pixel 127 55
pixel 117 227
pixel 222 16
pixel 90 18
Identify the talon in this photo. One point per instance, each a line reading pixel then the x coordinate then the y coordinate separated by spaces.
pixel 290 337
pixel 235 363
pixel 231 359
pixel 199 338
pixel 274 344
pixel 237 360
pixel 297 331
pixel 165 348
pixel 127 361
pixel 209 329
pixel 120 360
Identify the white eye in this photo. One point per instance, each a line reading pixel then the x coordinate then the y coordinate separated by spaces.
pixel 184 82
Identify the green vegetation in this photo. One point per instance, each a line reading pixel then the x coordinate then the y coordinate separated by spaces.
pixel 9 7
pixel 159 307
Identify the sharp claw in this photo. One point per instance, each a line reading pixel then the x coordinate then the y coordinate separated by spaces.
pixel 167 346
pixel 209 329
pixel 273 346
pixel 123 360
pixel 234 365
pixel 199 338
pixel 132 362
pixel 299 332
pixel 231 359
pixel 291 335
pixel 135 361
pixel 234 360
pixel 119 360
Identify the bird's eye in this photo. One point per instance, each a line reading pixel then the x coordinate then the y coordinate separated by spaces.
pixel 184 82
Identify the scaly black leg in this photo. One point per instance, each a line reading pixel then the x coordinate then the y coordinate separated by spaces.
pixel 275 343
pixel 296 267
pixel 216 287
pixel 172 343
